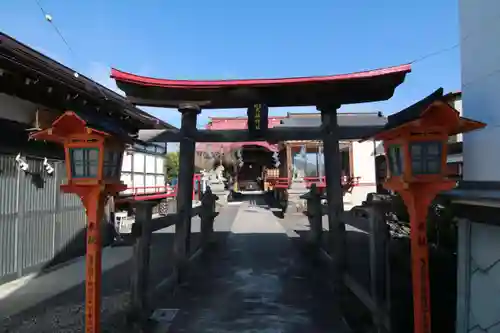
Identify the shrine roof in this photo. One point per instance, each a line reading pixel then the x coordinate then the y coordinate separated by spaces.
pixel 238 123
pixel 429 105
pixel 359 87
pixel 231 146
pixel 32 76
pixel 343 119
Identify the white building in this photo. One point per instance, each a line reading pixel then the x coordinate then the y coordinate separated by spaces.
pixel 478 303
pixel 143 168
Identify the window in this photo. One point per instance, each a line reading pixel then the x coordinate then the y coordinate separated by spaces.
pixel 345 163
pixel 112 161
pixel 426 157
pixel 84 162
pixel 395 160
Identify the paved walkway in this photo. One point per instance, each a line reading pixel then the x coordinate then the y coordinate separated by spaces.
pixel 256 282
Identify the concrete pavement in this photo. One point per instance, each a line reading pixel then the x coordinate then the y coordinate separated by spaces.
pixel 21 294
pixel 28 291
pixel 54 301
pixel 255 282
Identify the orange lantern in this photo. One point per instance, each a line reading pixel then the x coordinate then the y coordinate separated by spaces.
pixel 93 166
pixel 415 142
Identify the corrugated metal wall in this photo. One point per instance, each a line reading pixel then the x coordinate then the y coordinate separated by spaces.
pixel 38 226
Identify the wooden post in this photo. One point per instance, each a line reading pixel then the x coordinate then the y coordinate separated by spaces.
pixel 141 230
pixel 289 163
pixel 207 215
pixel 317 162
pixel 334 195
pixel 93 201
pixel 185 189
pixel 314 214
pixel 379 266
pixel 418 206
pixel 320 151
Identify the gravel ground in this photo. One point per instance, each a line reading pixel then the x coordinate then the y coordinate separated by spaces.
pixel 65 312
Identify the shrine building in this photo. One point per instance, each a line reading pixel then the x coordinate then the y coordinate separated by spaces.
pixel 301 161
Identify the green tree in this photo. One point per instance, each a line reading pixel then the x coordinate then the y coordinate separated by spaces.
pixel 172 165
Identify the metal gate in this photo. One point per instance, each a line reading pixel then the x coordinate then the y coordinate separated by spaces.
pixel 39 225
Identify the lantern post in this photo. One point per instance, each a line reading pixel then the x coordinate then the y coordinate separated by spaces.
pixel 93 167
pixel 415 143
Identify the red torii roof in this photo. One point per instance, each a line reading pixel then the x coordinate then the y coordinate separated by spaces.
pixel 367 86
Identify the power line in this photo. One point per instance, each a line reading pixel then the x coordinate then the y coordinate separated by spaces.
pixel 424 57
pixel 48 17
pixel 448 48
pixel 435 53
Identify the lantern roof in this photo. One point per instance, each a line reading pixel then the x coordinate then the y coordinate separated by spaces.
pixel 359 87
pixel 65 126
pixel 433 110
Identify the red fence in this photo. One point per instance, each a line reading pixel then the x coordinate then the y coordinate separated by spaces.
pixel 321 181
pixel 279 182
pixel 141 193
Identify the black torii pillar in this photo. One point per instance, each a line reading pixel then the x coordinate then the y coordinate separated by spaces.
pixel 187 148
pixel 336 234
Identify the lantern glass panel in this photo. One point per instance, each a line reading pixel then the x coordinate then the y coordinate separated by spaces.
pixel 426 157
pixel 84 162
pixel 395 153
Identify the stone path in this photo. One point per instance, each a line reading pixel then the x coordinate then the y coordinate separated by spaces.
pixel 256 282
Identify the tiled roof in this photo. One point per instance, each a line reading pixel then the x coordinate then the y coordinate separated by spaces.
pixel 343 119
pixel 237 123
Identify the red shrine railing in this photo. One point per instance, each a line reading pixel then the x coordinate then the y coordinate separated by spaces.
pixel 279 182
pixel 347 182
pixel 319 181
pixel 142 193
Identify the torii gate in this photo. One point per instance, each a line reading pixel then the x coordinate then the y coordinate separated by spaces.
pixel 327 93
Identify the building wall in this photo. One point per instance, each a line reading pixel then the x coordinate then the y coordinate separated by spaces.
pixel 480 56
pixel 457 104
pixel 478 307
pixel 364 168
pixel 479 282
pixel 39 227
pixel 16 109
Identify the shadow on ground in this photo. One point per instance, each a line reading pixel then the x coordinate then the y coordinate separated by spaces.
pixel 254 283
pixel 442 279
pixel 65 311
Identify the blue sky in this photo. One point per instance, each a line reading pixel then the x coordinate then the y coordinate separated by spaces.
pixel 218 39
